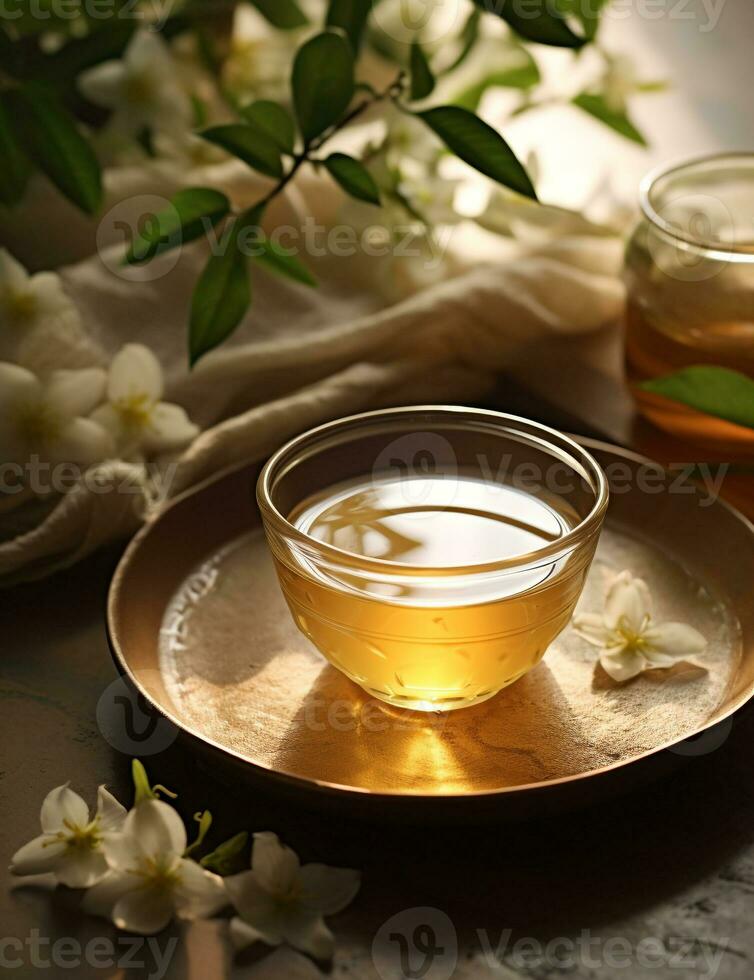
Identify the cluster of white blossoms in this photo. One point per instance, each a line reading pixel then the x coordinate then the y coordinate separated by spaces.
pixel 137 873
pixel 143 92
pixel 82 416
pixel 154 90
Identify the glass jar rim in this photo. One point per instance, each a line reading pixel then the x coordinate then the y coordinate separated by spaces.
pixel 650 185
pixel 544 434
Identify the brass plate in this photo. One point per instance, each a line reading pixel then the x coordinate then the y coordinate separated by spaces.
pixel 197 621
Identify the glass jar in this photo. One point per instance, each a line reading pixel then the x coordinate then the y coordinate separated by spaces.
pixel 447 629
pixel 690 273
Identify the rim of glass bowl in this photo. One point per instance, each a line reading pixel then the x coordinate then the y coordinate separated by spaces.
pixel 650 187
pixel 542 434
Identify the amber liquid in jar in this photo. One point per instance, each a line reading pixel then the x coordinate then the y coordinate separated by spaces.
pixel 690 277
pixel 423 648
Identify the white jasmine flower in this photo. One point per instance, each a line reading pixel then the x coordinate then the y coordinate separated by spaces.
pixel 134 414
pixel 401 21
pixel 619 81
pixel 408 137
pixel 430 196
pixel 71 845
pixel 187 150
pixel 628 637
pixel 142 88
pixel 48 419
pixel 27 302
pixel 150 881
pixel 407 167
pixel 260 67
pixel 259 62
pixel 280 901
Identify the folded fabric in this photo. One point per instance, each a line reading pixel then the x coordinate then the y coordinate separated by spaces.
pixel 301 357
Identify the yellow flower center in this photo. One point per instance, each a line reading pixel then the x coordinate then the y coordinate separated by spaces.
pixel 159 874
pixel 284 900
pixel 76 837
pixel 38 424
pixel 201 153
pixel 20 305
pixel 135 412
pixel 140 89
pixel 632 640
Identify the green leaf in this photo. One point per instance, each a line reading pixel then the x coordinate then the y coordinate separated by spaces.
pixel 80 53
pixel 276 259
pixel 468 37
pixel 210 58
pixel 221 297
pixel 422 79
pixel 145 139
pixel 524 76
pixel 596 106
pixel 713 390
pixel 25 17
pixel 659 85
pixel 199 111
pixel 11 56
pixel 274 121
pixel 204 819
pixel 351 17
pixel 191 213
pixel 52 140
pixel 228 857
pixel 142 787
pixel 353 177
pixel 323 83
pixel 285 14
pixel 249 144
pixel 587 12
pixel 15 166
pixel 535 20
pixel 479 145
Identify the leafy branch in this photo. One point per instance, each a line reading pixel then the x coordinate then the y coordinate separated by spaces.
pixel 47 124
pixel 274 143
pixel 323 86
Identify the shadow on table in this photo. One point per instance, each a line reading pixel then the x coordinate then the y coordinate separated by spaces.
pixel 554 876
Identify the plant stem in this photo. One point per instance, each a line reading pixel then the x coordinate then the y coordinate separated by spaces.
pixel 393 91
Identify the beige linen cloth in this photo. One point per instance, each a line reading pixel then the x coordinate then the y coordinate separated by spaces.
pixel 301 357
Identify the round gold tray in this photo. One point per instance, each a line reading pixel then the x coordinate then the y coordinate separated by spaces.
pixel 198 623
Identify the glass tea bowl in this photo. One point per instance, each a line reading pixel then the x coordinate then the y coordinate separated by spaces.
pixel 432 554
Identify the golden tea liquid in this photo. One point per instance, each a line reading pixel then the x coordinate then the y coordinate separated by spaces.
pixel 426 639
